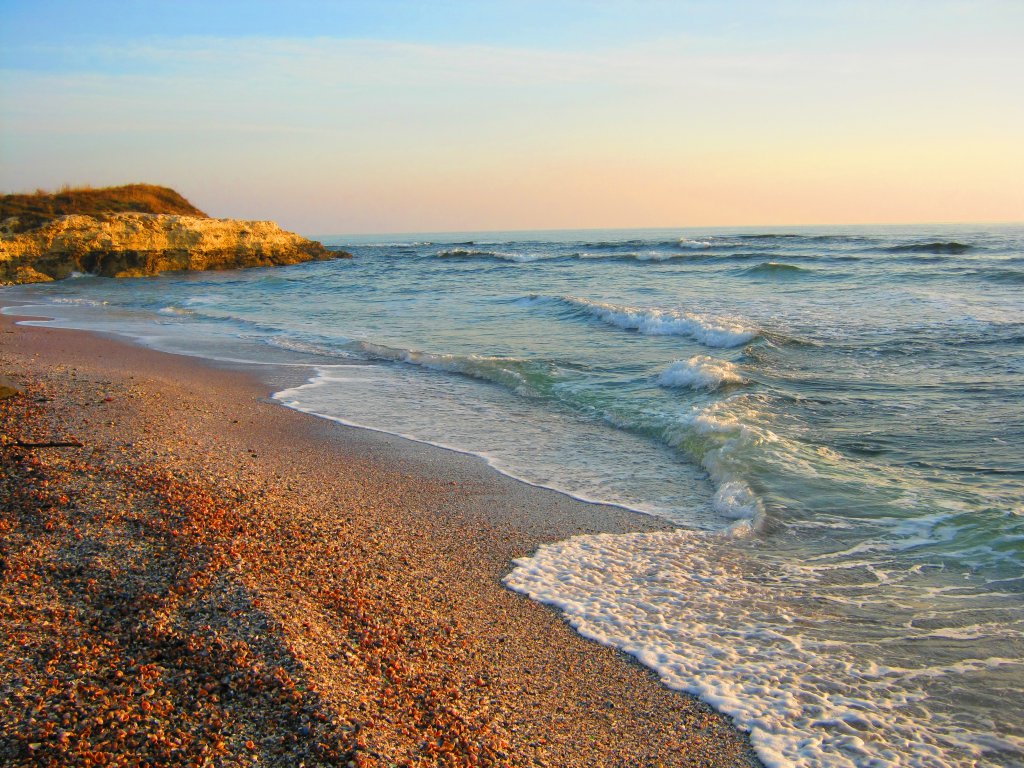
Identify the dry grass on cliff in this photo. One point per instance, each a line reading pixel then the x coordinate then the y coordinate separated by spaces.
pixel 38 207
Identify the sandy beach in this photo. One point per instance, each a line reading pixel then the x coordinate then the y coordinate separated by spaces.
pixel 192 574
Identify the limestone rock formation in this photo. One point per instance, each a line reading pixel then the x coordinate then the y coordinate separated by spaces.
pixel 139 244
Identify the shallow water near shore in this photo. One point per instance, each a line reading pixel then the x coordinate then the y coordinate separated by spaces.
pixel 834 417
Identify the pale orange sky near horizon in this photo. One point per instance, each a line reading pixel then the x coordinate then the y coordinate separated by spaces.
pixel 802 115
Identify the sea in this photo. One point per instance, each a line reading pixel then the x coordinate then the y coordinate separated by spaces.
pixel 832 417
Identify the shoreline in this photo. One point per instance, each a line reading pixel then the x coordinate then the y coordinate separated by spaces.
pixel 277 378
pixel 447 667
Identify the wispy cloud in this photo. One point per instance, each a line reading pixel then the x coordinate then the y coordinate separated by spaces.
pixel 673 66
pixel 343 113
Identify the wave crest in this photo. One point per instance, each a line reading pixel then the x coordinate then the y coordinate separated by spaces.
pixel 951 248
pixel 467 253
pixel 524 377
pixel 701 372
pixel 632 256
pixel 775 268
pixel 726 440
pixel 711 332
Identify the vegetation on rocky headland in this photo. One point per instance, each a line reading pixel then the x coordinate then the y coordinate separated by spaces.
pixel 134 231
pixel 37 208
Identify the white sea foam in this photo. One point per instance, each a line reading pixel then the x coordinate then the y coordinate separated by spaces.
pixel 710 331
pixel 701 372
pixel 392 244
pixel 735 500
pixel 747 637
pixel 468 253
pixel 76 302
pixel 689 244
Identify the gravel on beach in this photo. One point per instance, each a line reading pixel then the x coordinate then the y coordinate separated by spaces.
pixel 192 575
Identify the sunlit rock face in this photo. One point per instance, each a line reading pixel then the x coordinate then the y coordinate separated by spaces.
pixel 140 244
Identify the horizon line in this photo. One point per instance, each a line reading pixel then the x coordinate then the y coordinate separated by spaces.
pixel 399 233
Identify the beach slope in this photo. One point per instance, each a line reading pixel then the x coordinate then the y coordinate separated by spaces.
pixel 192 574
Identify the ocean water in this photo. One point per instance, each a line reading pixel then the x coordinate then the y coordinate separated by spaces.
pixel 834 417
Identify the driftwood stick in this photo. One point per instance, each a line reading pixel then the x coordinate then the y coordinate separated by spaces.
pixel 50 444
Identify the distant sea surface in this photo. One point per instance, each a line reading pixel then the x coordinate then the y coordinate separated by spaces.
pixel 833 417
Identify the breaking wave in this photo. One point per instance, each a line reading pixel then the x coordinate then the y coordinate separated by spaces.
pixel 701 372
pixel 709 331
pixel 468 253
pixel 634 256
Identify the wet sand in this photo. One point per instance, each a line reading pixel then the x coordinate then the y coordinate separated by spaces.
pixel 211 578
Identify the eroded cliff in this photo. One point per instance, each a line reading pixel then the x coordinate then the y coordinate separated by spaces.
pixel 140 244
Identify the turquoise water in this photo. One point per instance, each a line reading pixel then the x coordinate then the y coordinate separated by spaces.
pixel 834 417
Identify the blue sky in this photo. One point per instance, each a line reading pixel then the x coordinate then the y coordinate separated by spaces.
pixel 404 116
pixel 552 23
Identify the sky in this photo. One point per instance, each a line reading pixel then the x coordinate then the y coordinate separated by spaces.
pixel 395 116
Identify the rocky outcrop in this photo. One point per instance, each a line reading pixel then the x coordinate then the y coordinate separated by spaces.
pixel 140 244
